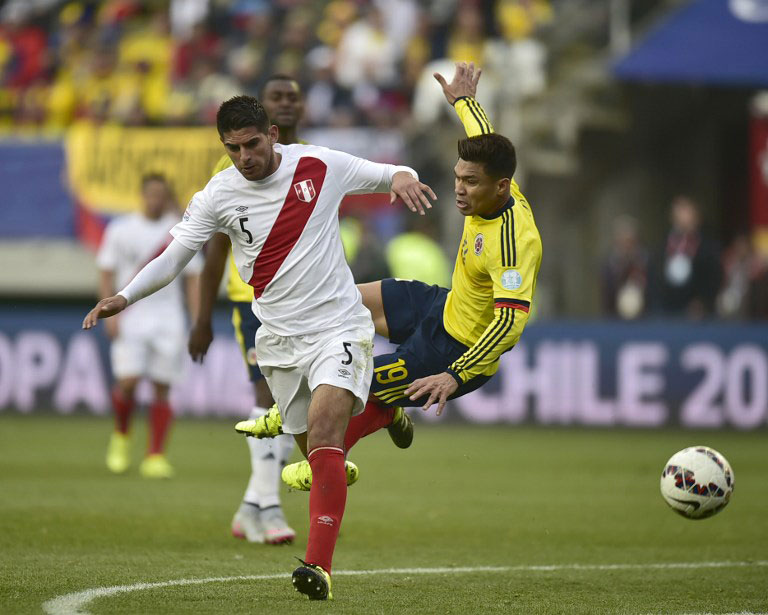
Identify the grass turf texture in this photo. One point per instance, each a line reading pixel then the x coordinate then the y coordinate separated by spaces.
pixel 461 496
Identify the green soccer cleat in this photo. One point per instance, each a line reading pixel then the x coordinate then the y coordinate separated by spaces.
pixel 401 429
pixel 268 426
pixel 312 581
pixel 119 452
pixel 156 466
pixel 299 475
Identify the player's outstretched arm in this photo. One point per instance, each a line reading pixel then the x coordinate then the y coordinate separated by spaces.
pixel 201 335
pixel 157 274
pixel 460 94
pixel 413 193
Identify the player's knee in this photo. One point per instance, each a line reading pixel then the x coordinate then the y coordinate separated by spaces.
pixel 327 430
pixel 127 387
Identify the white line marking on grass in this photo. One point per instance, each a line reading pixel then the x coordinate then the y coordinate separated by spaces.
pixel 75 603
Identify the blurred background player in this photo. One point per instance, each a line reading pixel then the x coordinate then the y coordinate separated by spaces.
pixel 147 339
pixel 260 517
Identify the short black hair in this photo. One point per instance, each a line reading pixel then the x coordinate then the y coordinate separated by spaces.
pixel 241 112
pixel 494 151
pixel 153 176
pixel 278 77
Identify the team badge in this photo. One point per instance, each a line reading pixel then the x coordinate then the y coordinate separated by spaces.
pixel 478 244
pixel 305 190
pixel 511 279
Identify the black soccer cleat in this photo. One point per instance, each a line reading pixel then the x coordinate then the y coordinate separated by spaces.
pixel 312 581
pixel 401 429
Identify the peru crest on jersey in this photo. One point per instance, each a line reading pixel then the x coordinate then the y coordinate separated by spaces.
pixel 305 190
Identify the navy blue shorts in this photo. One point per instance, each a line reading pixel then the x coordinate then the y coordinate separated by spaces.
pixel 414 313
pixel 246 324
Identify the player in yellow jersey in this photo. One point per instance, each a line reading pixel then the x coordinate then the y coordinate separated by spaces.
pixel 259 517
pixel 450 342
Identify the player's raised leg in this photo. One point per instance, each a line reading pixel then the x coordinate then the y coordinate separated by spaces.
pixel 328 417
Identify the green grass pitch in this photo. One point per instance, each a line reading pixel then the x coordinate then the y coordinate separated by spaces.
pixel 460 497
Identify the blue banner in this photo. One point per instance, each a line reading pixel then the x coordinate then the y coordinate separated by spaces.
pixel 654 374
pixel 35 201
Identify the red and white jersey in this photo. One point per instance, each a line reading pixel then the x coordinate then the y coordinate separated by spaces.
pixel 129 243
pixel 285 234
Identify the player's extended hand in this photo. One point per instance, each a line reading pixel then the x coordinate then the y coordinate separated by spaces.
pixel 104 309
pixel 439 388
pixel 464 82
pixel 200 338
pixel 412 192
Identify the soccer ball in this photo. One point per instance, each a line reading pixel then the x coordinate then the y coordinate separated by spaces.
pixel 697 482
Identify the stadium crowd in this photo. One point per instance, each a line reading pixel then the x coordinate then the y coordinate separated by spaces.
pixel 145 62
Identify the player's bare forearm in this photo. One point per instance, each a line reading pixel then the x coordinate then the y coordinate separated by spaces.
pixel 107 289
pixel 464 83
pixel 438 387
pixel 193 296
pixel 201 335
pixel 413 193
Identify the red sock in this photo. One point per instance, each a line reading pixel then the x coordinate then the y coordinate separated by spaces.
pixel 374 417
pixel 327 499
pixel 123 409
pixel 160 416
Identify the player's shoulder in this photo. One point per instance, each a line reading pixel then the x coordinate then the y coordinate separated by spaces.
pixel 220 187
pixel 296 151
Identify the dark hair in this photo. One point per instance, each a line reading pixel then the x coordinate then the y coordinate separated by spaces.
pixel 153 176
pixel 278 77
pixel 241 112
pixel 495 152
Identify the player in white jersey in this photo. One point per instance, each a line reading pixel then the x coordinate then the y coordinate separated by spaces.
pixel 279 205
pixel 148 338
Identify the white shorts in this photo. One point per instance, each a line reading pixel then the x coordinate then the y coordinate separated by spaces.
pixel 158 355
pixel 296 365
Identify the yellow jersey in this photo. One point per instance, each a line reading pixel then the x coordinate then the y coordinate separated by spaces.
pixel 494 278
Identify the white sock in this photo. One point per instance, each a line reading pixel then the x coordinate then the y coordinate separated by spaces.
pixel 264 485
pixel 285 445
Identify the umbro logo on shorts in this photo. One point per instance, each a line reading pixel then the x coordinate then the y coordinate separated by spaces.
pixel 241 209
pixel 344 373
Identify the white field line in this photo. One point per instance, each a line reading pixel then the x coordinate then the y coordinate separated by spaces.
pixel 75 603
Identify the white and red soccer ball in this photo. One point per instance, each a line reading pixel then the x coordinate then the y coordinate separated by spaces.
pixel 697 482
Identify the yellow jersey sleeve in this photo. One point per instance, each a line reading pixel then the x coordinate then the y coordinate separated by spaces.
pixel 473 116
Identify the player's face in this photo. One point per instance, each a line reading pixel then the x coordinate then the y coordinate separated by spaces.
pixel 155 194
pixel 251 151
pixel 283 103
pixel 476 192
